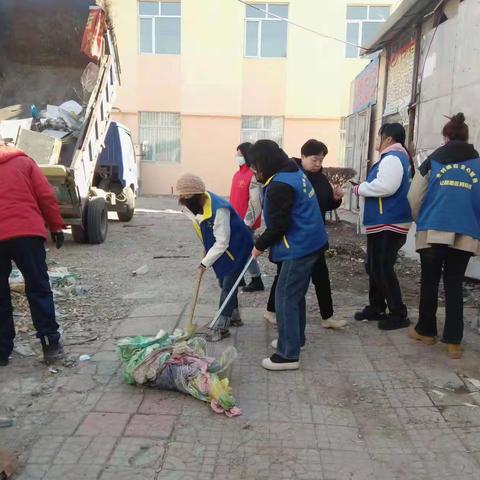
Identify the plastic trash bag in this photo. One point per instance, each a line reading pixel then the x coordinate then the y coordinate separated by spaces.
pixel 171 362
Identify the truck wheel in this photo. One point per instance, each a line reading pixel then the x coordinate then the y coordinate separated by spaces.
pixel 127 214
pixel 97 220
pixel 79 232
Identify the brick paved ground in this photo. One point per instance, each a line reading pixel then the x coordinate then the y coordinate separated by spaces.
pixel 364 405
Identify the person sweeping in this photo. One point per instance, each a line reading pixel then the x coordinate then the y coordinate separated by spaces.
pixel 227 241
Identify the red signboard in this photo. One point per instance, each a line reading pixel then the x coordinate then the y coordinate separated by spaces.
pixel 365 87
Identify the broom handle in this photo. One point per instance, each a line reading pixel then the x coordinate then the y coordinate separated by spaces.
pixel 195 298
pixel 229 296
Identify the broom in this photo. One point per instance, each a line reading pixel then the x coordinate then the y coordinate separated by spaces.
pixel 191 327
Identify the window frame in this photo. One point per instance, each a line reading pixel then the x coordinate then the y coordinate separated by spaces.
pixel 153 26
pixel 360 22
pixel 161 127
pixel 259 21
pixel 262 117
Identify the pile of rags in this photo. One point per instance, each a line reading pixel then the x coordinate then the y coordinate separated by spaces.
pixel 173 362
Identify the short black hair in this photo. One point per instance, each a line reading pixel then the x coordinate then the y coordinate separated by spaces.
pixel 314 147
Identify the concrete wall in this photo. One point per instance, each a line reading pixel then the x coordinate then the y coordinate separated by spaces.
pixel 212 85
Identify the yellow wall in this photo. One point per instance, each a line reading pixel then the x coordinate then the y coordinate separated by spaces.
pixel 212 85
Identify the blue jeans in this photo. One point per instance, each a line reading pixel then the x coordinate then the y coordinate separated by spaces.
pixel 290 305
pixel 30 258
pixel 226 284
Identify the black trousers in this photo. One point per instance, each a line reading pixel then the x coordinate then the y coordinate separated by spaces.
pixel 436 261
pixel 30 258
pixel 321 281
pixel 384 289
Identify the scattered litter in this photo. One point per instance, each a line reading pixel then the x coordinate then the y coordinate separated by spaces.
pixel 53 370
pixel 141 271
pixel 170 362
pixel 159 257
pixel 6 422
pixel 8 464
pixel 70 112
pixel 84 358
pixel 62 281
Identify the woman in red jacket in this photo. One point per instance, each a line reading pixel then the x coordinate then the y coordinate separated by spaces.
pixel 246 199
pixel 27 203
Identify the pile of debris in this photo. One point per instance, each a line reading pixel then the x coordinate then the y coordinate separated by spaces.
pixel 177 362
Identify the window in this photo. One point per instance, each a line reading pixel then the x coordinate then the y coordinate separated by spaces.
pixel 160 27
pixel 160 135
pixel 363 24
pixel 262 128
pixel 265 32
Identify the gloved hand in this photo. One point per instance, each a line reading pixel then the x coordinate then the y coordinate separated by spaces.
pixel 58 238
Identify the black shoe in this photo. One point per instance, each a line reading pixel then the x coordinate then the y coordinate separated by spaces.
pixel 3 362
pixel 256 285
pixel 394 323
pixel 52 350
pixel 242 283
pixel 369 314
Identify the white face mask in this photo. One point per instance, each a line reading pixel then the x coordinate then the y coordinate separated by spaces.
pixel 240 160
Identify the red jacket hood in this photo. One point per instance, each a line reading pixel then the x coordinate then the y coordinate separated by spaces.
pixel 7 153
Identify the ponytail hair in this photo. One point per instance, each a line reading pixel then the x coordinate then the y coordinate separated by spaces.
pixel 398 135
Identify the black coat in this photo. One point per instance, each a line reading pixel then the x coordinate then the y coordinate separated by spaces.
pixel 323 190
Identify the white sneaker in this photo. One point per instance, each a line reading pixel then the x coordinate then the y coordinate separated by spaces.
pixel 269 365
pixel 270 317
pixel 335 324
pixel 275 344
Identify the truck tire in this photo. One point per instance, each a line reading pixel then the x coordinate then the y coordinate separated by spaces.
pixel 97 220
pixel 79 232
pixel 127 214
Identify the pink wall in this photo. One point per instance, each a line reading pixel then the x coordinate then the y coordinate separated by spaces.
pixel 298 131
pixel 208 150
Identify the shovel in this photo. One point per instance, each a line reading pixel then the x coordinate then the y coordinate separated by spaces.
pixel 192 327
pixel 229 296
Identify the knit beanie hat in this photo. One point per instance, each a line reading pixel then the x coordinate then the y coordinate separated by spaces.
pixel 189 184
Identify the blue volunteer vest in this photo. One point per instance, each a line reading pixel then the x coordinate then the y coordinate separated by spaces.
pixel 241 241
pixel 394 209
pixel 306 234
pixel 452 202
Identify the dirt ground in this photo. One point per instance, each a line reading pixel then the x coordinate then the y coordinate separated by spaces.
pixel 101 293
pixel 344 401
